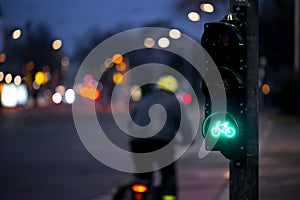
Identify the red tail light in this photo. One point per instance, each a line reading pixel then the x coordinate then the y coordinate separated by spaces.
pixel 139 188
pixel 138 196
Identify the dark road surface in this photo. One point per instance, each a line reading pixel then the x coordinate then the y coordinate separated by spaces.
pixel 42 157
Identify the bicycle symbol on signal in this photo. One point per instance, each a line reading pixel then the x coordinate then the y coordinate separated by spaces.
pixel 222 128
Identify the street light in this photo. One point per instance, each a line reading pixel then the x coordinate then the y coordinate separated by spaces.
pixel 149 42
pixel 193 16
pixel 2 57
pixel 17 80
pixel 8 78
pixel 57 44
pixel 207 7
pixel 1 76
pixel 175 34
pixel 163 42
pixel 16 34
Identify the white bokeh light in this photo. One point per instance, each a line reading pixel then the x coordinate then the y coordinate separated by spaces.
pixel 163 42
pixel 175 34
pixel 57 98
pixel 194 16
pixel 69 96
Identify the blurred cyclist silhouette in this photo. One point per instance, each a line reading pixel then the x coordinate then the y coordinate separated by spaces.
pixel 162 93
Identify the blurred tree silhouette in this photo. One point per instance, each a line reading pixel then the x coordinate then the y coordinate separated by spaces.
pixel 86 43
pixel 30 53
pixel 34 45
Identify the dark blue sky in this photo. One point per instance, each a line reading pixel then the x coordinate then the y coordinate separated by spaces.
pixel 71 20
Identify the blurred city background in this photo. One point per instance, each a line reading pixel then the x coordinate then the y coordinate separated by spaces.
pixel 42 45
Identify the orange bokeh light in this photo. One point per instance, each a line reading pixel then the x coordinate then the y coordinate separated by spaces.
pixel 265 89
pixel 121 67
pixel 117 58
pixel 118 78
pixel 2 57
pixel 90 92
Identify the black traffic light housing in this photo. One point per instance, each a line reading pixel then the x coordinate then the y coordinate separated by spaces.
pixel 226 43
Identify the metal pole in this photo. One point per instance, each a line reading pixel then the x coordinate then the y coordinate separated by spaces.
pixel 296 51
pixel 244 178
pixel 296 36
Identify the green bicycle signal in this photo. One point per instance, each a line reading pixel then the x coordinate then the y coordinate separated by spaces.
pixel 223 128
pixel 220 125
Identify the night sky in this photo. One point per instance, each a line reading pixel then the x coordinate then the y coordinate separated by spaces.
pixel 71 20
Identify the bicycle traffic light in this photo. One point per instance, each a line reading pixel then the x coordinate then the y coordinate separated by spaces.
pixel 225 42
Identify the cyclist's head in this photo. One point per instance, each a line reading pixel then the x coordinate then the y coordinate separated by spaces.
pixel 168 83
pixel 147 89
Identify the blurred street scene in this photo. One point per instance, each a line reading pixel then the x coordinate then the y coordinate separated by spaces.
pixel 42 47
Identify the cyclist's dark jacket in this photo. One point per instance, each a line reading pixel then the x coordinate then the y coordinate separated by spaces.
pixel 171 105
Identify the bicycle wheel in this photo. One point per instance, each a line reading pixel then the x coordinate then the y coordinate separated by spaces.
pixel 230 132
pixel 215 132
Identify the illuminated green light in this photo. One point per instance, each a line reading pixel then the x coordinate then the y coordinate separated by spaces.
pixel 220 125
pixel 225 129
